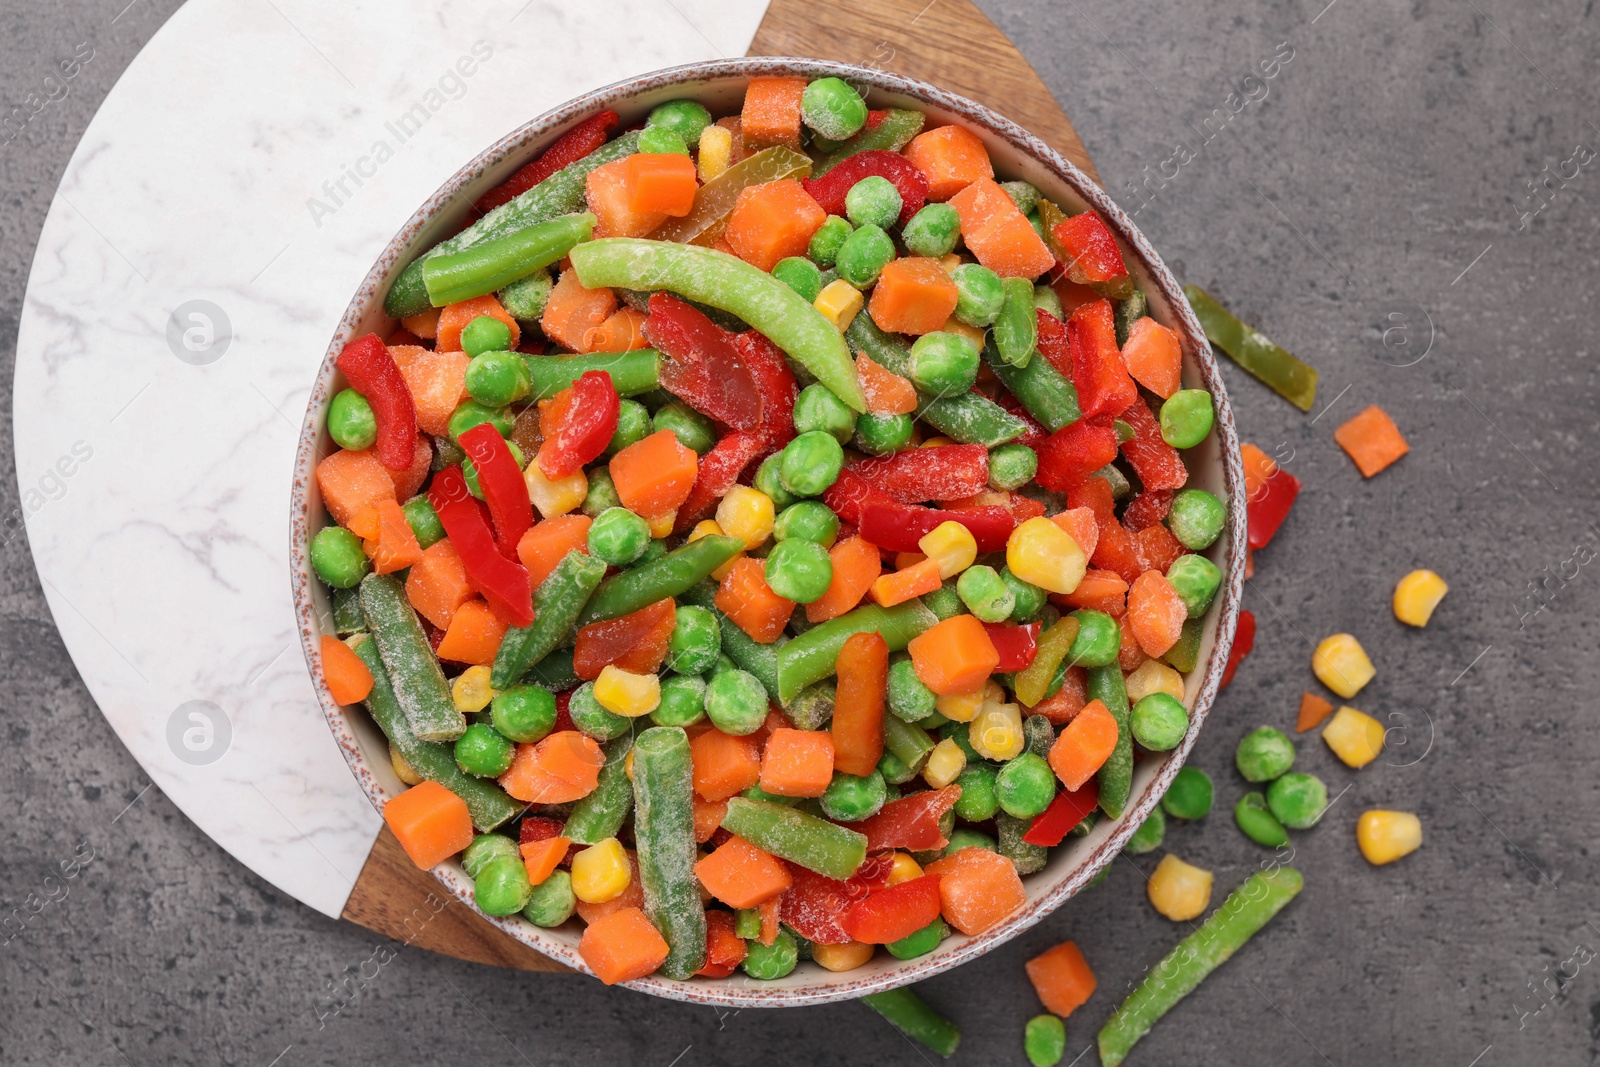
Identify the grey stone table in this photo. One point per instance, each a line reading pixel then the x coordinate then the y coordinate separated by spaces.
pixel 1428 160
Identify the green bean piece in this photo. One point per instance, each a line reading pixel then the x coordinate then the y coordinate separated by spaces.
pixel 1263 754
pixel 671 575
pixel 632 373
pixel 909 743
pixel 1116 774
pixel 1120 486
pixel 811 656
pixel 892 134
pixel 1247 909
pixel 552 901
pixel 1012 466
pixel 911 1015
pixel 347 617
pixel 1190 794
pixel 812 709
pixel 555 672
pixel 601 814
pixel 1256 821
pixel 742 650
pixel 351 422
pixel 338 558
pixel 413 670
pixel 663 830
pixel 497 262
pixel 1046 394
pixel 525 298
pixel 1016 330
pixel 895 771
pixel 1048 300
pixel 1150 834
pixel 815 844
pixel 556 604
pixel 1026 857
pixel 1039 735
pixel 1128 312
pixel 1255 352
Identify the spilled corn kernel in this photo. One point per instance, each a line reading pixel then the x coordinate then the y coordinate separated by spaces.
pixel 1416 595
pixel 1355 737
pixel 1341 664
pixel 1385 836
pixel 952 545
pixel 471 691
pixel 1178 890
pixel 625 693
pixel 601 872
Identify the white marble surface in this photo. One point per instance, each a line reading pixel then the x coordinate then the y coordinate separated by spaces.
pixel 156 489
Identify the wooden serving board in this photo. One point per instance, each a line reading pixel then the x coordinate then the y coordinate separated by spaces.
pixel 949 43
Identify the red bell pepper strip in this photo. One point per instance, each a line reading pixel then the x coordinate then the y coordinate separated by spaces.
pixel 702 367
pixel 1118 550
pixel 504 584
pixel 374 374
pixel 850 493
pixel 1017 645
pixel 718 471
pixel 814 906
pixel 895 912
pixel 1149 507
pixel 1073 453
pixel 1035 434
pixel 570 147
pixel 912 185
pixel 911 823
pixel 1053 342
pixel 724 949
pixel 1067 810
pixel 1244 642
pixel 942 472
pixel 1270 506
pixel 1157 463
pixel 1102 380
pixel 776 384
pixel 1091 249
pixel 538 828
pixel 581 421
pixel 898 527
pixel 503 488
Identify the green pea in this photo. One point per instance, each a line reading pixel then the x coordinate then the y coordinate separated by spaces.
pixel 483 751
pixel 769 480
pixel 883 435
pixel 1024 194
pixel 523 713
pixel 1195 579
pixel 1012 466
pixel 851 798
pixel 683 700
pixel 819 408
pixel 873 201
pixel 687 118
pixel 1025 786
pixel 486 847
pixel 985 593
pixel 1030 598
pixel 1189 795
pixel 1150 834
pixel 337 557
pixel 945 364
pixel 863 256
pixel 696 640
pixel 470 413
pixel 932 231
pixel 894 769
pixel 470 472
pixel 618 537
pixel 829 238
pixel 799 274
pixel 979 799
pixel 833 108
pixel 1256 821
pixel 497 378
pixel 909 699
pixel 424 521
pixel 1048 300
pixel 593 718
pixel 501 887
pixel 1297 799
pixel 807 520
pixel 633 426
pixel 944 601
pixel 1044 1039
pixel 1186 418
pixel 736 702
pixel 1159 721
pixel 755 792
pixel 1098 642
pixel 1196 519
pixel 723 664
pixel 965 838
pixel 980 294
pixel 919 943
pixel 661 140
pixel 484 334
pixel 691 428
pixel 602 493
pixel 351 422
pixel 810 463
pixel 799 570
pixel 1263 754
pixel 774 961
pixel 551 902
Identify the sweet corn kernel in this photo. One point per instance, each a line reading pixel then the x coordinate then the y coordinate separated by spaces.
pixel 716 151
pixel 996 732
pixel 839 303
pixel 661 525
pixel 601 872
pixel 903 868
pixel 1341 664
pixel 404 771
pixel 705 528
pixel 845 957
pixel 1416 595
pixel 935 442
pixel 1385 836
pixel 471 691
pixel 1153 676
pixel 964 707
pixel 747 514
pixel 625 693
pixel 945 764
pixel 974 334
pixel 1355 737
pixel 1043 553
pixel 554 498
pixel 950 262
pixel 627 764
pixel 1178 890
pixel 952 544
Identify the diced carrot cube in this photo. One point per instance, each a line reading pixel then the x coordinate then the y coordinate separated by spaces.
pixel 747 599
pixel 609 196
pixel 654 476
pixel 856 565
pixel 547 543
pixel 430 822
pixel 395 547
pixel 773 221
pixel 797 763
pixel 622 332
pixel 631 897
pixel 1313 710
pixel 557 770
pixel 349 679
pixel 438 384
pixel 887 393
pixel 543 857
pixel 408 481
pixel 771 112
pixel 1061 978
pixel 913 295
pixel 1153 357
pixel 916 579
pixel 954 656
pixel 997 232
pixel 622 946
pixel 1099 591
pixel 724 765
pixel 1372 440
pixel 1082 525
pixel 1156 613
pixel 660 183
pixel 978 889
pixel 473 636
pixel 1083 745
pixel 857 727
pixel 453 318
pixel 424 325
pixel 351 482
pixel 1258 467
pixel 741 875
pixel 951 158
pixel 571 310
pixel 708 815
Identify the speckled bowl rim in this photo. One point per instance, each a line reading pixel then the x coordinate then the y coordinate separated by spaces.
pixel 306 512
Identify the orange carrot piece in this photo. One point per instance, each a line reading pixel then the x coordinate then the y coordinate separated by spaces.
pixel 708 816
pixel 395 548
pixel 430 822
pixel 1153 357
pixel 636 642
pixel 1081 525
pixel 1130 657
pixel 609 196
pixel 543 857
pixel 660 183
pixel 723 764
pixel 571 310
pixel 1313 710
pixel 797 763
pixel 1099 591
pixel 1372 440
pixel 1258 467
pixel 438 384
pixel 770 913
pixel 741 875
pixel 978 889
pixel 887 393
pixel 1062 979
pixel 951 158
pixel 529 780
pixel 453 318
pixel 622 332
pixel 352 481
pixel 349 680
pixel 954 656
pixel 747 599
pixel 1068 701
pixel 408 481
pixel 771 112
pixel 856 565
pixel 473 636
pixel 547 543
pixel 622 946
pixel 997 232
pixel 773 221
pixel 573 757
pixel 899 586
pixel 857 727
pixel 424 324
pixel 631 897
pixel 654 476
pixel 913 295
pixel 1083 745
pixel 1156 613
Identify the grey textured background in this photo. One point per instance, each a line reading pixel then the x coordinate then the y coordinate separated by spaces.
pixel 1389 155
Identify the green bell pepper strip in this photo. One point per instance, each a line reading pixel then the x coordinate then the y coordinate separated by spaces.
pixel 601 814
pixel 632 373
pixel 559 194
pixel 891 135
pixel 1247 909
pixel 791 834
pixel 779 313
pixel 1033 682
pixel 663 831
pixel 911 1015
pixel 556 604
pixel 1040 388
pixel 811 656
pixel 1115 776
pixel 671 575
pixel 1185 655
pixel 555 672
pixel 1291 379
pixel 746 653
pixel 495 263
pixel 414 671
pixel 487 803
pixel 908 742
